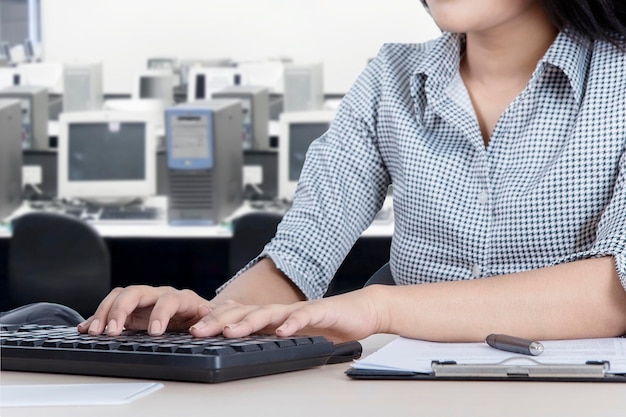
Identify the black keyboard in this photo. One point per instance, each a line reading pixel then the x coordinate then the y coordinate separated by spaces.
pixel 173 356
pixel 130 213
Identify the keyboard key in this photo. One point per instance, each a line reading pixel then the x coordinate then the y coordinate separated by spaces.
pixel 147 347
pixel 128 347
pixel 218 350
pixel 32 342
pixel 189 349
pixel 246 347
pixel 107 345
pixel 85 345
pixel 169 348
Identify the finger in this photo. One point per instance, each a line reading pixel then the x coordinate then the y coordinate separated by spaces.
pixel 298 320
pixel 126 303
pixel 181 304
pixel 97 322
pixel 203 310
pixel 259 319
pixel 213 324
pixel 84 326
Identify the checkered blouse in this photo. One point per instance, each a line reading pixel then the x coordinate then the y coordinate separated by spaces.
pixel 548 189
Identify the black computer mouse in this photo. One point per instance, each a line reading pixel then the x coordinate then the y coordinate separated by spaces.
pixel 42 313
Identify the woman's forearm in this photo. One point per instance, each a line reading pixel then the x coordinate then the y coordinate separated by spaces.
pixel 262 284
pixel 581 299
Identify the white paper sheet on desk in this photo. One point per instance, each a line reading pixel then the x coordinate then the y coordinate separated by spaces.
pixel 74 394
pixel 417 355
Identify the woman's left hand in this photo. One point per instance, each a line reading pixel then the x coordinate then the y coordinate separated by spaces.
pixel 350 316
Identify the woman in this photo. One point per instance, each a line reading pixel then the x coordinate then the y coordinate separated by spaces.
pixel 503 139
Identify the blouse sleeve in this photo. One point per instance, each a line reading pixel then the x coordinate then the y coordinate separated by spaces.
pixel 341 188
pixel 611 229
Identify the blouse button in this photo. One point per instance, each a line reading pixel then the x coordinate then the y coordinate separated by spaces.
pixel 483 197
pixel 476 271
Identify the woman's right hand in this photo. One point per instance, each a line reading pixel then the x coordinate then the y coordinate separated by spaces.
pixel 142 307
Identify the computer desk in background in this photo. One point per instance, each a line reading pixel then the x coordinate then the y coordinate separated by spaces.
pixel 326 391
pixel 197 257
pixel 129 228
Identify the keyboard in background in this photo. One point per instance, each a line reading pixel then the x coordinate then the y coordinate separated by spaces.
pixel 384 216
pixel 130 213
pixel 173 356
pixel 124 214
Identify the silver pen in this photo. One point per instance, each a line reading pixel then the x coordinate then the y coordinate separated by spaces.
pixel 514 344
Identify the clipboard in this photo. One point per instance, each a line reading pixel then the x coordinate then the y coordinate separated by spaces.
pixel 512 368
pixel 451 371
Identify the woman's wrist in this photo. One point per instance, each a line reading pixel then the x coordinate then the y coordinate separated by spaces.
pixel 381 304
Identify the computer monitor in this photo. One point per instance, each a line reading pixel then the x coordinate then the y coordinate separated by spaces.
pixel 29 50
pixel 82 85
pixel 106 157
pixel 162 63
pixel 5 50
pixel 151 107
pixel 268 73
pixel 10 157
pixel 304 87
pixel 185 65
pixel 297 131
pixel 155 84
pixel 204 81
pixel 9 77
pixel 42 74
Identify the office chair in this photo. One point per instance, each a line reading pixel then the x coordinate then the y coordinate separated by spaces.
pixel 60 259
pixel 382 276
pixel 251 232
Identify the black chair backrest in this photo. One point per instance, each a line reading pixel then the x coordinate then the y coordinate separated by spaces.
pixel 251 232
pixel 58 258
pixel 382 276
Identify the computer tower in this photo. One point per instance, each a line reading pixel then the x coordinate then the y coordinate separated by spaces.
pixel 82 85
pixel 304 87
pixel 205 161
pixel 10 157
pixel 34 103
pixel 255 104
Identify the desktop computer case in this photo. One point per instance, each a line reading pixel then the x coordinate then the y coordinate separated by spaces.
pixel 10 156
pixel 256 132
pixel 208 196
pixel 38 112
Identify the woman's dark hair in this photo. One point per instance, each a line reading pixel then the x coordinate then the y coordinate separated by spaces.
pixel 597 19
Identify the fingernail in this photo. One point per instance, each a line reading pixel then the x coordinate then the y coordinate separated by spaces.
pixel 112 326
pixel 95 326
pixel 198 325
pixel 231 326
pixel 82 324
pixel 155 327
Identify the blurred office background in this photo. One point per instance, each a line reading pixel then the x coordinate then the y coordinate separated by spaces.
pixel 122 34
pixel 113 43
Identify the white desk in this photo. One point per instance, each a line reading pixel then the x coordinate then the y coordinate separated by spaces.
pixel 130 229
pixel 326 391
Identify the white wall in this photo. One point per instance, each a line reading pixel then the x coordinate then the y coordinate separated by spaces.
pixel 124 33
